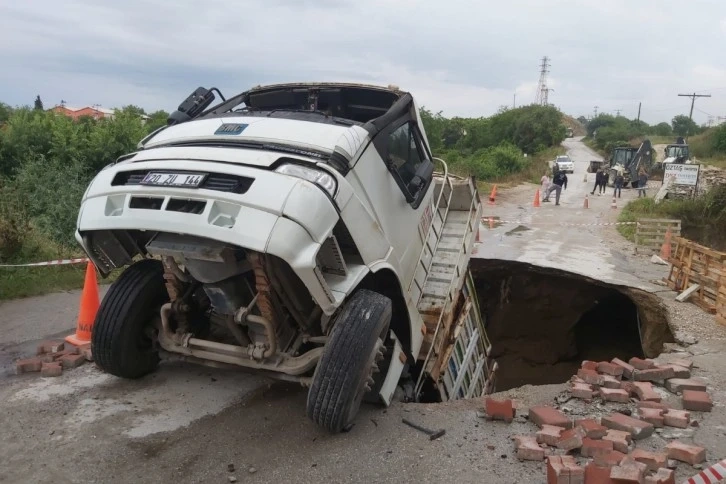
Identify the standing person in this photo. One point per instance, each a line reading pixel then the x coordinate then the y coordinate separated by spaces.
pixel 559 181
pixel 642 182
pixel 599 183
pixel 545 181
pixel 619 181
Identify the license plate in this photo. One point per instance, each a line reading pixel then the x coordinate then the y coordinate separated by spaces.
pixel 173 179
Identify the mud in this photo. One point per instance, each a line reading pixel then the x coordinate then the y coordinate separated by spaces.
pixel 543 322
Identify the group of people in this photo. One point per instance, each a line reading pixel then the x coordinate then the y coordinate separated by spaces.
pixel 559 182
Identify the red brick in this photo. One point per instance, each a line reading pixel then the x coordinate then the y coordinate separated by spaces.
pixel 591 447
pixel 609 368
pixel 645 392
pixel 51 369
pixel 72 361
pixel 50 346
pixel 654 374
pixel 677 385
pixel 595 474
pixel 663 476
pixel 697 401
pixel 627 368
pixel 654 460
pixel 639 364
pixel 498 409
pixel 619 439
pixel 690 454
pixel 28 365
pixel 629 470
pixel 86 352
pixel 627 386
pixel 678 371
pixel 614 395
pixel 589 376
pixel 609 381
pixel 581 390
pixel 653 416
pixel 543 414
pixel 528 448
pixel 609 459
pixel 592 428
pixel 637 428
pixel 549 434
pixel 688 364
pixel 589 365
pixel 562 469
pixel 571 439
pixel 676 418
pixel 659 405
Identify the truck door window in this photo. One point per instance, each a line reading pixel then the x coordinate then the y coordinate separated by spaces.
pixel 404 152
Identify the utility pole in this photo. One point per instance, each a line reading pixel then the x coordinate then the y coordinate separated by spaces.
pixel 595 111
pixel 514 101
pixel 639 104
pixel 693 101
pixel 617 112
pixel 542 91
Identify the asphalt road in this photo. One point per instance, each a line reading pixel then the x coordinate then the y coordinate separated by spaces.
pixel 186 423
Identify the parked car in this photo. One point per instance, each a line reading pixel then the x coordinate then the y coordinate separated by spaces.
pixel 564 163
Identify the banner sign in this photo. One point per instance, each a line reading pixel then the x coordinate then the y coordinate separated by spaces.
pixel 683 174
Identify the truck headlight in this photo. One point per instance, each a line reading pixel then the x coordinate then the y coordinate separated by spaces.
pixel 324 180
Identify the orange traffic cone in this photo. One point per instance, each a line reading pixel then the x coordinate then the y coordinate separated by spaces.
pixel 536 199
pixel 665 250
pixel 586 204
pixel 478 231
pixel 89 307
pixel 493 195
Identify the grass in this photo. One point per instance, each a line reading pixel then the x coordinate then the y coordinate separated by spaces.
pixel 17 282
pixel 539 163
pixel 703 220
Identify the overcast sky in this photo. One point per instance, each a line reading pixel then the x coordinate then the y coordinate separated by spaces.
pixel 464 58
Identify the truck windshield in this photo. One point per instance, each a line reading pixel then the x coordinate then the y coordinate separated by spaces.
pixel 676 151
pixel 623 156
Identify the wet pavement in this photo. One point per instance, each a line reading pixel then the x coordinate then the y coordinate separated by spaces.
pixel 568 237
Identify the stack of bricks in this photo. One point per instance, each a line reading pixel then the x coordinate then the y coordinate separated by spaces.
pixel 52 357
pixel 607 446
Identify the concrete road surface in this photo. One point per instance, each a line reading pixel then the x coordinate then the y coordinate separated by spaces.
pixel 190 424
pixel 568 237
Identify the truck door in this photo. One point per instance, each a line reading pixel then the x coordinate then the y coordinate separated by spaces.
pixel 400 189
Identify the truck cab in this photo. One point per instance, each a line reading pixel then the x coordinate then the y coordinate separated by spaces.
pixel 298 231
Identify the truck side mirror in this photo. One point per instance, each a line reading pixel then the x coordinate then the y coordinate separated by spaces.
pixel 418 184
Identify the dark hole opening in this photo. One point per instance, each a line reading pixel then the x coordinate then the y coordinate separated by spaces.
pixel 543 322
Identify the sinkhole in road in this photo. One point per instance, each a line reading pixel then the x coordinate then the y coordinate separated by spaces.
pixel 544 322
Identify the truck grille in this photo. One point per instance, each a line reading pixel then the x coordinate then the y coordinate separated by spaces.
pixel 214 181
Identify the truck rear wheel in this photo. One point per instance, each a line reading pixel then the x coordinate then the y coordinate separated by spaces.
pixel 344 373
pixel 120 340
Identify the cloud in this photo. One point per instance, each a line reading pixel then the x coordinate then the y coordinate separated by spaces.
pixel 462 57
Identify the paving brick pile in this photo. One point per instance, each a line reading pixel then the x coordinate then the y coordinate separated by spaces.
pixel 52 357
pixel 606 449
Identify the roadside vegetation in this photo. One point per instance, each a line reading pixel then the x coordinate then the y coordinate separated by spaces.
pixel 509 147
pixel 702 219
pixel 46 162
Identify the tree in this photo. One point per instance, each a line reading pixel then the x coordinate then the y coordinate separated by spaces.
pixel 663 129
pixel 38 103
pixel 5 112
pixel 683 125
pixel 582 120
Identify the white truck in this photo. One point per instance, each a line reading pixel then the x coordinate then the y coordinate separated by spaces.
pixel 298 231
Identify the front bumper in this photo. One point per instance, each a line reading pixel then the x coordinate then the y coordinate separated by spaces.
pixel 279 215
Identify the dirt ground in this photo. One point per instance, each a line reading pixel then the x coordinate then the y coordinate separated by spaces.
pixel 192 424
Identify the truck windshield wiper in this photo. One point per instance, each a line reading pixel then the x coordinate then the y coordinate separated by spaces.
pixel 312 111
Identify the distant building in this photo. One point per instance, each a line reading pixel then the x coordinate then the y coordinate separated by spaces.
pixel 95 111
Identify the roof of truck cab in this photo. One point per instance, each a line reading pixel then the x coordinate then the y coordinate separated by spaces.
pixel 331 85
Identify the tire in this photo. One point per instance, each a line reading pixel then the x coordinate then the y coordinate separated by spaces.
pixel 340 379
pixel 119 342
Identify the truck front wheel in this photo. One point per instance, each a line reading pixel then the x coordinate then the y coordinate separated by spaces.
pixel 120 340
pixel 344 373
